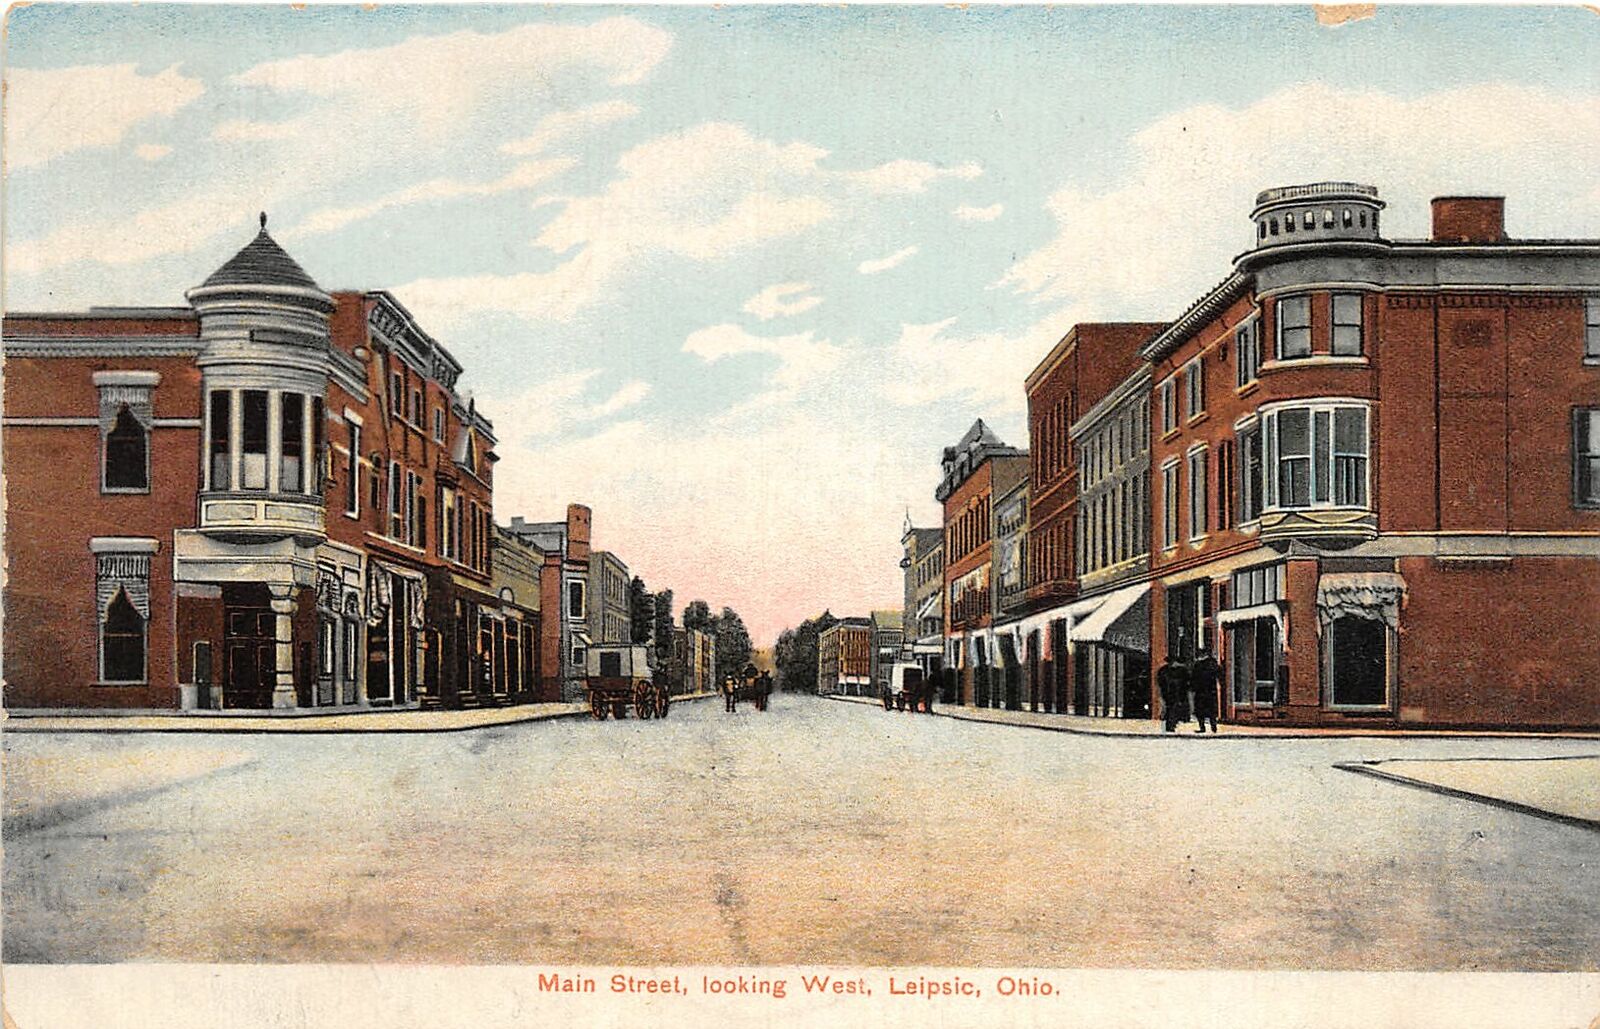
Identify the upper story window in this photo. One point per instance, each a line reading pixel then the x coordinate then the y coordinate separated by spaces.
pixel 1591 328
pixel 352 486
pixel 1169 505
pixel 1194 387
pixel 1316 456
pixel 577 601
pixel 249 449
pixel 1199 508
pixel 1586 457
pixel 1250 471
pixel 292 420
pixel 1347 325
pixel 438 425
pixel 1294 328
pixel 397 391
pixel 253 441
pixel 1262 584
pixel 417 407
pixel 1169 406
pixel 126 417
pixel 1247 349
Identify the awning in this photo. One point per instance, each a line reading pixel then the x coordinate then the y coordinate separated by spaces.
pixel 1082 609
pixel 1378 596
pixel 935 649
pixel 1121 620
pixel 926 610
pixel 1273 611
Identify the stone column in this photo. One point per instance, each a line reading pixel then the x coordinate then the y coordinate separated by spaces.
pixel 283 607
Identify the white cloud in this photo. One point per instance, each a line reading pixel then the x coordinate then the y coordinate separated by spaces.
pixel 53 112
pixel 883 264
pixel 1164 232
pixel 802 358
pixel 906 176
pixel 527 175
pixel 562 125
pixel 238 130
pixel 172 228
pixel 435 81
pixel 968 213
pixel 627 395
pixel 786 299
pixel 986 370
pixel 151 151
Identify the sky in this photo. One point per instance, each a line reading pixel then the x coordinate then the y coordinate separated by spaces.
pixel 734 276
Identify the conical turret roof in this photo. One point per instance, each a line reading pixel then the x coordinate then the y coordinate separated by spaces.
pixel 262 263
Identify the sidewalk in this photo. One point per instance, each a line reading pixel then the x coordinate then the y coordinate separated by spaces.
pixel 1083 725
pixel 294 721
pixel 1563 789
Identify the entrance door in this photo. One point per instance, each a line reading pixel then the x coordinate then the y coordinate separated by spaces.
pixel 1136 686
pixel 1080 681
pixel 1358 660
pixel 250 657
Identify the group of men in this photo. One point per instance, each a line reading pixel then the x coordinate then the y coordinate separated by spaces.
pixel 1190 690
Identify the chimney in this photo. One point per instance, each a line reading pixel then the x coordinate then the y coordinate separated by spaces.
pixel 1469 219
pixel 578 532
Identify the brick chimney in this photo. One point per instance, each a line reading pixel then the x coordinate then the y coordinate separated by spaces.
pixel 578 532
pixel 1469 219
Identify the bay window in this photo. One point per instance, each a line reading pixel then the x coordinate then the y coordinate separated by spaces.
pixel 253 441
pixel 1316 456
pixel 221 434
pixel 1294 328
pixel 291 466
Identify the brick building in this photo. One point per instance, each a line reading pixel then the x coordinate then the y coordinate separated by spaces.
pixel 844 658
pixel 977 468
pixel 888 636
pixel 923 617
pixel 251 501
pixel 610 613
pixel 1090 364
pixel 1361 445
pixel 565 599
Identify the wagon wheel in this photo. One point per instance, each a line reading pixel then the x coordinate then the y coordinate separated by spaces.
pixel 663 701
pixel 597 706
pixel 643 701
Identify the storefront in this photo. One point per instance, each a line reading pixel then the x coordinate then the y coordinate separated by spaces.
pixel 396 619
pixel 1111 655
pixel 1358 615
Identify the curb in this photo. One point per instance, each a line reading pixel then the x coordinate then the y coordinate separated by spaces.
pixel 1370 768
pixel 285 726
pixel 1287 734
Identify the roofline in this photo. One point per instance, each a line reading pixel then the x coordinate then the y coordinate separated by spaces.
pixel 1069 341
pixel 1201 311
pixel 106 314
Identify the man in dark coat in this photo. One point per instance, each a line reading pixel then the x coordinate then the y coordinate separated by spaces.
pixel 1204 678
pixel 1173 681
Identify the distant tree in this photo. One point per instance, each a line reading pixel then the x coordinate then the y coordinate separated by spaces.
pixel 733 644
pixel 661 631
pixel 641 610
pixel 796 654
pixel 697 615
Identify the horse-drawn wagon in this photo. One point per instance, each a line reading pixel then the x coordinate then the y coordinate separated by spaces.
pixel 619 675
pixel 909 689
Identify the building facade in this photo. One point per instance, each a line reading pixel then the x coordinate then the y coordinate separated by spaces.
pixel 256 528
pixel 566 638
pixel 610 616
pixel 1361 445
pixel 844 658
pixel 923 617
pixel 978 467
pixel 1014 688
pixel 694 661
pixel 888 637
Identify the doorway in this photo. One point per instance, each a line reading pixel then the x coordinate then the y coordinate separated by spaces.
pixel 250 654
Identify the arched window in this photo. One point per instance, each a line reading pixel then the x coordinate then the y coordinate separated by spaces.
pixel 1311 219
pixel 122 641
pixel 127 453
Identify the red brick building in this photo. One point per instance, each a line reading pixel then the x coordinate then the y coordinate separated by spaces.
pixel 1361 446
pixel 844 658
pixel 277 497
pixel 1089 364
pixel 977 469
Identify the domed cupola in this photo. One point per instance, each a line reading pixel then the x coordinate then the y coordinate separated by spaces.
pixel 1315 213
pixel 265 363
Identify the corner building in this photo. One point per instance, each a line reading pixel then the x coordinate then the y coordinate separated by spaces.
pixel 1363 447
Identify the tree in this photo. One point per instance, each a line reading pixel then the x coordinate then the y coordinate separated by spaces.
pixel 662 630
pixel 733 644
pixel 698 616
pixel 641 611
pixel 796 653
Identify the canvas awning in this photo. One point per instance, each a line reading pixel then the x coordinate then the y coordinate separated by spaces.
pixel 1378 596
pixel 1121 620
pixel 926 610
pixel 1273 611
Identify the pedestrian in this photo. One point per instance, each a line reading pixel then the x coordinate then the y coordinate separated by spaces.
pixel 1204 678
pixel 764 691
pixel 1173 682
pixel 730 695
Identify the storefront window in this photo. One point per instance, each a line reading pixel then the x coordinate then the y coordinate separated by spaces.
pixel 1358 662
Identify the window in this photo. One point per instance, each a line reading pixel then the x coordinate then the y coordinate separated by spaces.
pixel 1586 457
pixel 576 607
pixel 1347 324
pixel 253 455
pixel 1310 219
pixel 396 489
pixel 1225 496
pixel 1317 456
pixel 1249 475
pixel 447 521
pixel 1294 328
pixel 127 454
pixel 1169 406
pixel 376 499
pixel 221 430
pixel 291 456
pixel 1591 328
pixel 578 654
pixel 1358 659
pixel 416 407
pixel 352 642
pixel 1169 505
pixel 1199 513
pixel 1194 388
pixel 352 487
pixel 1247 347
pixel 122 596
pixel 1262 584
pixel 438 425
pixel 321 456
pixel 325 650
pixel 397 392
